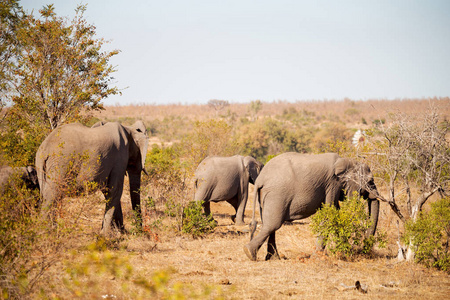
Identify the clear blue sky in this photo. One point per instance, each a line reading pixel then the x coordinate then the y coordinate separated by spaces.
pixel 180 51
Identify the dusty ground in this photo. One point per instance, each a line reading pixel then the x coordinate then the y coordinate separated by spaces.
pixel 219 259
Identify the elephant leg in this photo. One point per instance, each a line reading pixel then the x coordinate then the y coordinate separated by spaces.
pixel 241 203
pixel 113 210
pixel 272 252
pixel 118 218
pixel 234 202
pixel 49 199
pixel 207 208
pixel 135 194
pixel 320 245
pixel 268 230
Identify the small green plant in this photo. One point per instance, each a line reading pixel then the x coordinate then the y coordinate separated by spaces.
pixel 195 222
pixel 430 235
pixel 344 230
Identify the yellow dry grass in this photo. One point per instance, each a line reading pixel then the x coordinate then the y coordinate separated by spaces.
pixel 218 260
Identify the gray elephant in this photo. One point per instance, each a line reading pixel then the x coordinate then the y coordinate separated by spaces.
pixel 27 174
pixel 226 179
pixel 102 154
pixel 294 186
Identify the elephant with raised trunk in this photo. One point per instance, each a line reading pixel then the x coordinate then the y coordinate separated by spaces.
pixel 103 155
pixel 226 179
pixel 294 186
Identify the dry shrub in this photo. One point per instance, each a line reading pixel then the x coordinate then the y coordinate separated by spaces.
pixel 211 137
pixel 89 276
pixel 165 191
pixel 30 244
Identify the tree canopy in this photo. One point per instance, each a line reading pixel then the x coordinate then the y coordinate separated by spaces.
pixel 53 71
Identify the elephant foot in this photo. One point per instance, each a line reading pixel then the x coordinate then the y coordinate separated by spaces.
pixel 273 256
pixel 320 244
pixel 250 254
pixel 233 218
pixel 237 222
pixel 240 223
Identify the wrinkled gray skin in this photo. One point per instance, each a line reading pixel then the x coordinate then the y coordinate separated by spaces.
pixel 293 186
pixel 112 150
pixel 27 174
pixel 226 179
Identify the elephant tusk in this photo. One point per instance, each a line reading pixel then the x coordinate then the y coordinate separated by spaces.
pixel 145 171
pixel 373 196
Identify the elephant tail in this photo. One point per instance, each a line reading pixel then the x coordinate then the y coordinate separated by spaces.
pixel 42 181
pixel 253 223
pixel 195 187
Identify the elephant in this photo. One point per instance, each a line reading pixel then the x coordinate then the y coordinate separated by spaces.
pixel 103 155
pixel 27 174
pixel 226 179
pixel 293 186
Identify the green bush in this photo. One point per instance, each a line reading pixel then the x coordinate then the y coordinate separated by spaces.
pixel 164 190
pixel 430 235
pixel 344 230
pixel 195 222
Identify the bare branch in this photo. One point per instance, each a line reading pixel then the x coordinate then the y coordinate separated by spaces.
pixel 394 207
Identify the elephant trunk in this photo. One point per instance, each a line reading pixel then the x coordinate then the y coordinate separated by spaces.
pixel 135 187
pixel 374 209
pixel 144 156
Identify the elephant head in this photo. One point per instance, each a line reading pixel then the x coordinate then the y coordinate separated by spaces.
pixel 26 174
pixel 136 161
pixel 138 151
pixel 139 145
pixel 30 177
pixel 253 167
pixel 357 177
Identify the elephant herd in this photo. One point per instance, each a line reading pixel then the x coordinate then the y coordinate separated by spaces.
pixel 291 186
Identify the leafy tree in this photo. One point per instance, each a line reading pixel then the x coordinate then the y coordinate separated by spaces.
pixel 11 16
pixel 211 137
pixel 60 73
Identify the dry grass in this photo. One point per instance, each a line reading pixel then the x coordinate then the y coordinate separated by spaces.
pixel 218 260
pixel 348 110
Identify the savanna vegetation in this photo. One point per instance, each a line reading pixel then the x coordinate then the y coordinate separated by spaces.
pixel 172 251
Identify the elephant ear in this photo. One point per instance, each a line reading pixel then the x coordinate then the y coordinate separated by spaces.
pixel 252 168
pixel 342 165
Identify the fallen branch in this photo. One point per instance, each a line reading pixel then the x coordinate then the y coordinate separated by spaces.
pixel 363 288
